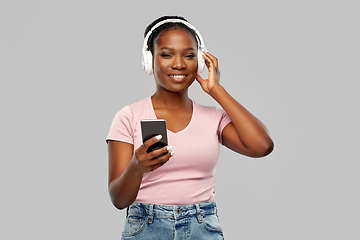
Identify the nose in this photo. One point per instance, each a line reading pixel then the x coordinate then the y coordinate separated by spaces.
pixel 178 63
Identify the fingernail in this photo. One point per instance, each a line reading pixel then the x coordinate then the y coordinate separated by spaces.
pixel 158 137
pixel 169 148
pixel 205 50
pixel 172 153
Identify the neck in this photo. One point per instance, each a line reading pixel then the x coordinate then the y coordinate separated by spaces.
pixel 170 99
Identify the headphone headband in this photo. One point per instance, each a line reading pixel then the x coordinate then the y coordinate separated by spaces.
pixel 200 39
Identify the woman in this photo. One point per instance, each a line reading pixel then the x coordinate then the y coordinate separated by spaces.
pixel 172 196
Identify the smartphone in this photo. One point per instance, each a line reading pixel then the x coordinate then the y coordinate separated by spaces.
pixel 152 128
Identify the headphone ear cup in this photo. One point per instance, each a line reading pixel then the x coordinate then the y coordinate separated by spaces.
pixel 147 61
pixel 201 61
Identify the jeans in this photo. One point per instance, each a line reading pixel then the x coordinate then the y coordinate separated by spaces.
pixel 164 222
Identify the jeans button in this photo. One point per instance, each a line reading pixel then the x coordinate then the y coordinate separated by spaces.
pixel 178 210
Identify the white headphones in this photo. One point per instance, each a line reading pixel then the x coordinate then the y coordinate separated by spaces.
pixel 147 57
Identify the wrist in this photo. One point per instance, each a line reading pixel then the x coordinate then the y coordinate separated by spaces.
pixel 134 168
pixel 215 91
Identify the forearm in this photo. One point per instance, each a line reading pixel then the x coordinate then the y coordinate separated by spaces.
pixel 124 189
pixel 251 131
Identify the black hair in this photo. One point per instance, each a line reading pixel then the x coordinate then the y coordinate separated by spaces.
pixel 156 33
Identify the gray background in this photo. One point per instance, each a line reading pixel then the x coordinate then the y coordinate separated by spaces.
pixel 68 66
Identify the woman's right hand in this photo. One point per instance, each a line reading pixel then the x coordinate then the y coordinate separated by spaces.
pixel 126 168
pixel 146 162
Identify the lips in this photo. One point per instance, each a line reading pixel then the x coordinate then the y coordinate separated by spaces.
pixel 178 77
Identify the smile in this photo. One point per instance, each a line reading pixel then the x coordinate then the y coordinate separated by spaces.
pixel 177 77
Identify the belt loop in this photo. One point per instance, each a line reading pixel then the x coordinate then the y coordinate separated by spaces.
pixel 174 212
pixel 199 216
pixel 151 207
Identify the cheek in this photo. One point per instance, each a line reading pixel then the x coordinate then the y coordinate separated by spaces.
pixel 159 65
pixel 159 70
pixel 193 65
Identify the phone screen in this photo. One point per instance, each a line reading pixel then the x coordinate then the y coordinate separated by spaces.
pixel 152 128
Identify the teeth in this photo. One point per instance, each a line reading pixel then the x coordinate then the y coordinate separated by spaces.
pixel 178 76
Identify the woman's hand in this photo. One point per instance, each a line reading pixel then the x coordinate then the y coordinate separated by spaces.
pixel 211 63
pixel 126 169
pixel 146 162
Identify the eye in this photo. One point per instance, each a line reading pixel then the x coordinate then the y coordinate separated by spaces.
pixel 190 55
pixel 165 55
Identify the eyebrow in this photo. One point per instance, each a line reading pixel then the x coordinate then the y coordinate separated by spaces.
pixel 168 48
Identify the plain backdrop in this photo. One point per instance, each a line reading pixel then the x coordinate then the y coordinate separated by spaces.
pixel 67 67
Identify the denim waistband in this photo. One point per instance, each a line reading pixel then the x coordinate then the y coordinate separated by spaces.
pixel 172 211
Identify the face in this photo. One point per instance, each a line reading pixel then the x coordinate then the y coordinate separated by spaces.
pixel 175 60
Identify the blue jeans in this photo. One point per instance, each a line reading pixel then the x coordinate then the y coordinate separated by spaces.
pixel 165 222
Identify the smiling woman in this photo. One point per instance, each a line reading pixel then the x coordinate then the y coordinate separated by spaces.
pixel 175 60
pixel 169 192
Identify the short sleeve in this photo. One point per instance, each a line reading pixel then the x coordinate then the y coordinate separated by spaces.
pixel 121 128
pixel 224 120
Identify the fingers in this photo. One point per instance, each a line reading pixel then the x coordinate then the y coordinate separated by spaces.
pixel 159 153
pixel 151 141
pixel 210 60
pixel 159 157
pixel 147 162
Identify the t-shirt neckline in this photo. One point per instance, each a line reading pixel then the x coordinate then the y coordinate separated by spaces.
pixel 182 130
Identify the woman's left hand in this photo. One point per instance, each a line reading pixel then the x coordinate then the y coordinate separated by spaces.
pixel 211 63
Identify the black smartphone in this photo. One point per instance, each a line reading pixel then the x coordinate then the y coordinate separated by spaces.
pixel 152 128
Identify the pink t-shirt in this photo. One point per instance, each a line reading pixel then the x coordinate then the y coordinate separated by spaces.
pixel 188 177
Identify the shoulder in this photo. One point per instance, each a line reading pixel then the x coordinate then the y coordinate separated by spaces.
pixel 212 116
pixel 126 121
pixel 208 111
pixel 134 109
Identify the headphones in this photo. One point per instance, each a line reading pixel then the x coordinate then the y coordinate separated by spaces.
pixel 147 57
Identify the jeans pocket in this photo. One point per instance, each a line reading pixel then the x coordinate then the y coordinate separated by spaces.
pixel 134 225
pixel 211 223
